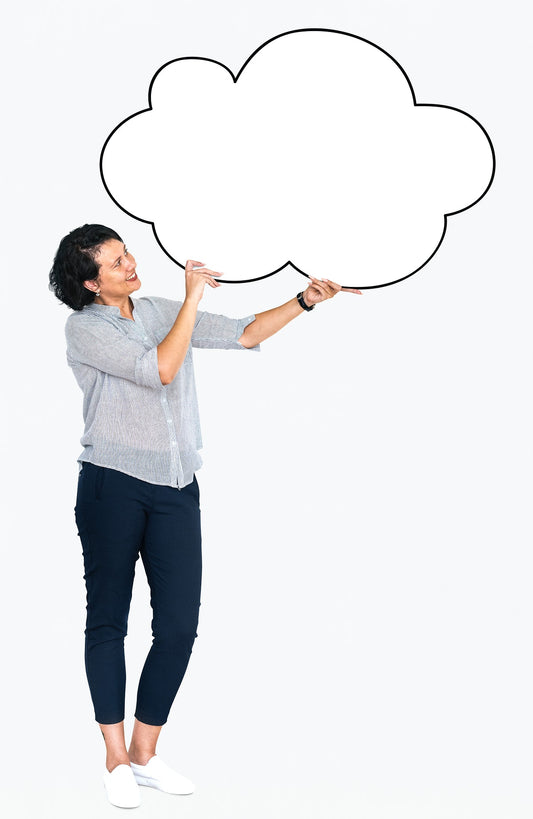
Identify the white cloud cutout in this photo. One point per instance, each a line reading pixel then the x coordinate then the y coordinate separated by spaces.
pixel 317 155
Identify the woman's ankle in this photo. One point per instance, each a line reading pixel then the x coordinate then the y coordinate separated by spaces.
pixel 140 756
pixel 143 742
pixel 112 761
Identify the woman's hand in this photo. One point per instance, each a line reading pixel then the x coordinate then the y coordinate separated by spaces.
pixel 195 280
pixel 322 289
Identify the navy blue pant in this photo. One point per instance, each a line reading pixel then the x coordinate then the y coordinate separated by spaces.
pixel 119 517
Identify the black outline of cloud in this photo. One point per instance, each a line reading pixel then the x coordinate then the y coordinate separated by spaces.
pixel 235 78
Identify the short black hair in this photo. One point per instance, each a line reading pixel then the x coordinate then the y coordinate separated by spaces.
pixel 75 262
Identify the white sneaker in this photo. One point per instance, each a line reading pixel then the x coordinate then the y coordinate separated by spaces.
pixel 121 788
pixel 156 774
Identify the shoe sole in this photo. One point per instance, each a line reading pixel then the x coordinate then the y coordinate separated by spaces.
pixel 125 807
pixel 150 783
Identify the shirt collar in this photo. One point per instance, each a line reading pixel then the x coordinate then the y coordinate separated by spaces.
pixel 110 309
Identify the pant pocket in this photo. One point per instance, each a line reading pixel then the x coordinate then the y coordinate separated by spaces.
pixel 91 483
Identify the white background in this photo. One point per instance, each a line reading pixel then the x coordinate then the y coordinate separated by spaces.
pixel 364 644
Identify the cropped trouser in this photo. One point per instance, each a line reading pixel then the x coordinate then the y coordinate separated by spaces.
pixel 119 517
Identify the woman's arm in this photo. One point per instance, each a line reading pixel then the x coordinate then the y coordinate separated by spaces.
pixel 269 322
pixel 172 350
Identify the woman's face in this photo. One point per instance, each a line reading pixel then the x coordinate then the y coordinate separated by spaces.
pixel 116 277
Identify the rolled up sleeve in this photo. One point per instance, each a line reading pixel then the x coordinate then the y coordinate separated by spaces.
pixel 213 331
pixel 105 348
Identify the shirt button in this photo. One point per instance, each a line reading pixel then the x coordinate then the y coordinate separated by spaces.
pixel 174 443
pixel 169 420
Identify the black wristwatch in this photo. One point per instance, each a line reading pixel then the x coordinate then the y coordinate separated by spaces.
pixel 301 302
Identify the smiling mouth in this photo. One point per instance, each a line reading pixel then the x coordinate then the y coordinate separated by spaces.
pixel 132 277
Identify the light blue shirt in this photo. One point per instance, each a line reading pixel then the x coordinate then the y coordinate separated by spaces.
pixel 134 423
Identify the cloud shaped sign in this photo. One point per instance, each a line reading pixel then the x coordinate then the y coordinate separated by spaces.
pixel 315 154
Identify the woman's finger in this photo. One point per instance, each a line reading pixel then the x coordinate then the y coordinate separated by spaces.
pixel 323 288
pixel 335 286
pixel 204 273
pixel 208 274
pixel 209 277
pixel 324 282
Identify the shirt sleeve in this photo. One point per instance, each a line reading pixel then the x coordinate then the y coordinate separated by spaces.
pixel 214 331
pixel 104 347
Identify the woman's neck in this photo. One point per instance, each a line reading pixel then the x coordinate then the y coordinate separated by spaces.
pixel 125 307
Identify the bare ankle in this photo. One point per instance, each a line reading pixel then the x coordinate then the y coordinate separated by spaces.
pixel 143 742
pixel 112 761
pixel 140 756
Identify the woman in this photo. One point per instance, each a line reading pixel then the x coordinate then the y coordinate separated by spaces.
pixel 137 489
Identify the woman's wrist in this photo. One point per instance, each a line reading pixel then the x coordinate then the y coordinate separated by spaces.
pixel 191 301
pixel 302 301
